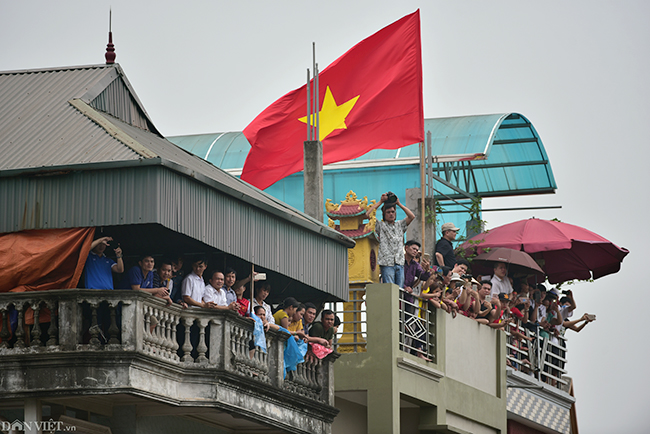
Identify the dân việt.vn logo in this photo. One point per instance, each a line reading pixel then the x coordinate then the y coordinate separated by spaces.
pixel 46 426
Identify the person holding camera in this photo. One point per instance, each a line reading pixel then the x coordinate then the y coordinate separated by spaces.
pixel 99 267
pixel 391 238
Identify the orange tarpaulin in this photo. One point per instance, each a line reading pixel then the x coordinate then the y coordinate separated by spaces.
pixel 43 259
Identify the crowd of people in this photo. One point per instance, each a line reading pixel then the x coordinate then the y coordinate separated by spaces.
pixel 497 300
pixel 216 289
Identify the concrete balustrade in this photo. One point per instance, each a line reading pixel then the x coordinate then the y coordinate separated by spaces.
pixel 80 341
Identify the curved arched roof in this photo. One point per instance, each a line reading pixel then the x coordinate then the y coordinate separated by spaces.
pixel 483 155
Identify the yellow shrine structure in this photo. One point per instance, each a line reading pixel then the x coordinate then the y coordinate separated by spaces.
pixel 362 262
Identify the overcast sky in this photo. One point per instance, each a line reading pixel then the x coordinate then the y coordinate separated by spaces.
pixel 578 70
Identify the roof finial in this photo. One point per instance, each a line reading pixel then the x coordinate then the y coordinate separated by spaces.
pixel 110 48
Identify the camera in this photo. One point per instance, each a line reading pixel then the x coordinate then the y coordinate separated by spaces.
pixel 391 198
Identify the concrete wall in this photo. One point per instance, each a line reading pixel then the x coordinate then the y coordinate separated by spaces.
pixel 464 390
pixel 352 419
pixel 472 354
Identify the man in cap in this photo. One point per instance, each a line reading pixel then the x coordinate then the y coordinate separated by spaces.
pixel 444 248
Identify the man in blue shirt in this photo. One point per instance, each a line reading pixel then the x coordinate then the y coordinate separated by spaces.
pixel 141 277
pixel 99 267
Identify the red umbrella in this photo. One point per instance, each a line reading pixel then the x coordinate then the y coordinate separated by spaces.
pixel 564 251
pixel 518 262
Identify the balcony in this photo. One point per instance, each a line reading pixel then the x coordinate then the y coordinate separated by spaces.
pixel 108 348
pixel 477 379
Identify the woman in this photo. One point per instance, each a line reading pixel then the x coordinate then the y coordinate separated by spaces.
pixel 295 324
pixel 283 316
pixel 289 311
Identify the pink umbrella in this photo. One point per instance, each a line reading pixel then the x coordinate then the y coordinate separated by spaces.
pixel 564 251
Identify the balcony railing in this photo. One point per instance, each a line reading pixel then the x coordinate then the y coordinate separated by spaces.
pixel 416 325
pixel 541 358
pixel 113 323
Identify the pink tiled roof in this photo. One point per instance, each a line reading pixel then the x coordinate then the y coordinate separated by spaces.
pixel 348 210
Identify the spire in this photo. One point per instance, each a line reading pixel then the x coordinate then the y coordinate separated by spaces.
pixel 110 48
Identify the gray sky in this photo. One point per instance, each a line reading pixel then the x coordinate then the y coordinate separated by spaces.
pixel 578 70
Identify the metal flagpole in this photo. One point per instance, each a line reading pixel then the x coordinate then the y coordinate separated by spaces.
pixel 423 206
pixel 430 191
pixel 308 107
pixel 313 149
pixel 252 286
pixel 316 95
pixel 315 91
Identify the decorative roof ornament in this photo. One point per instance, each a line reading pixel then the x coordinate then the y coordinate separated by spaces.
pixel 110 48
pixel 351 213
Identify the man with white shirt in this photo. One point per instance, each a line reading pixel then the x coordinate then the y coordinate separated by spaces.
pixel 214 296
pixel 500 281
pixel 262 290
pixel 193 284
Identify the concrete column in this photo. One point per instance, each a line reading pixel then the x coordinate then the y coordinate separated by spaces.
pixel 219 342
pixel 33 413
pixel 132 318
pixel 383 345
pixel 313 178
pixel 70 323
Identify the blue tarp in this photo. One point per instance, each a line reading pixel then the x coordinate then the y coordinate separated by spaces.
pixel 258 333
pixel 294 353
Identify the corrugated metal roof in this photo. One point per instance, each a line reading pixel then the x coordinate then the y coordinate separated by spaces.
pixel 453 138
pixel 40 129
pixel 515 161
pixel 50 124
pixel 160 195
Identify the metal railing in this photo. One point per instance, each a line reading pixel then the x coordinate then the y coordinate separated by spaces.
pixel 543 358
pixel 352 332
pixel 416 326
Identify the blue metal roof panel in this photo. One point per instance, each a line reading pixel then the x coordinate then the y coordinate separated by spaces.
pixel 516 162
pixel 466 135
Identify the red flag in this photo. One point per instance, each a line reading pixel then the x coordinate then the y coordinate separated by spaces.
pixel 371 98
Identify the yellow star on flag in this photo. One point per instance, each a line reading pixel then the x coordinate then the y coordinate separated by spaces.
pixel 332 117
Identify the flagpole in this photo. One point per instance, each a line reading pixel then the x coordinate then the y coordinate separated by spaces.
pixel 308 107
pixel 422 203
pixel 316 97
pixel 313 151
pixel 315 93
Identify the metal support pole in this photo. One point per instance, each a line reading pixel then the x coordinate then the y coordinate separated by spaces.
pixel 309 136
pixel 431 193
pixel 313 152
pixel 422 203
